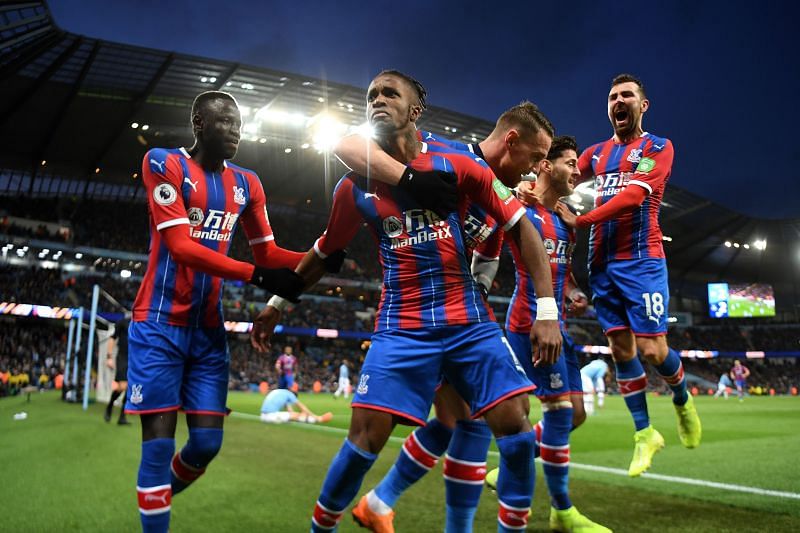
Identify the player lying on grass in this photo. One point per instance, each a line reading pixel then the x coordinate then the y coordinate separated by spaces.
pixel 279 407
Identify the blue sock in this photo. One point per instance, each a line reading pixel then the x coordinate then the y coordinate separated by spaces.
pixel 464 472
pixel 191 462
pixel 419 454
pixel 632 383
pixel 341 484
pixel 672 372
pixel 555 455
pixel 516 480
pixel 152 485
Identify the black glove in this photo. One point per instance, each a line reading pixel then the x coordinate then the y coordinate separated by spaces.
pixel 283 282
pixel 433 189
pixel 333 263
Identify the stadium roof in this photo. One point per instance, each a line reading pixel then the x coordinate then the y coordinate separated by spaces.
pixel 88 109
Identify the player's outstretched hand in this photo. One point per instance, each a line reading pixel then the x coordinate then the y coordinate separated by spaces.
pixel 263 326
pixel 283 282
pixel 333 262
pixel 580 302
pixel 569 218
pixel 546 342
pixel 435 190
pixel 526 195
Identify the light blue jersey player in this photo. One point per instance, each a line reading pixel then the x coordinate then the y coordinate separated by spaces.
pixel 593 378
pixel 279 407
pixel 344 380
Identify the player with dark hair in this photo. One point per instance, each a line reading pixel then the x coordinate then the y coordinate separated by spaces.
pixel 432 319
pixel 627 265
pixel 118 339
pixel 178 350
pixel 558 385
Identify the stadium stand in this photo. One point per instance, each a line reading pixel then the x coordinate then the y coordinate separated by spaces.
pixel 72 209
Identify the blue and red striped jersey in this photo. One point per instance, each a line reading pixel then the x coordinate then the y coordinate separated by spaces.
pixel 211 205
pixel 426 276
pixel 559 243
pixel 645 162
pixel 478 225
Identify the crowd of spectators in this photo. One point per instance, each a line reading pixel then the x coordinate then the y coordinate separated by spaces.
pixel 123 226
pixel 31 353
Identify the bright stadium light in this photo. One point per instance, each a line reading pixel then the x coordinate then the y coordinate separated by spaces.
pixel 134 125
pixel 746 246
pixel 287 150
pixel 145 127
pixel 736 245
pixel 79 256
pixel 728 244
pixel 760 244
pixel 327 130
pixel 666 238
pixel 125 273
pixel 305 146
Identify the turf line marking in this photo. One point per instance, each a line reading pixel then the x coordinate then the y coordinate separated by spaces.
pixel 592 468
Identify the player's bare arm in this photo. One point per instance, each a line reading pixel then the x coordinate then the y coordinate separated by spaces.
pixel 545 333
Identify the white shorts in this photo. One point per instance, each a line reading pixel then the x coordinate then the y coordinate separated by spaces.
pixel 278 417
pixel 586 383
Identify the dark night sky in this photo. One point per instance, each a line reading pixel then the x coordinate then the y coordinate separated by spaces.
pixel 723 78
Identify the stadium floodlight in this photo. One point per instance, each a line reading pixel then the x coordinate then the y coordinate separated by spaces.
pixel 728 244
pixel 666 238
pixel 746 246
pixel 145 127
pixel 305 146
pixel 287 150
pixel 736 245
pixel 79 256
pixel 326 131
pixel 203 79
pixel 125 273
pixel 212 79
pixel 44 162
pixel 760 244
pixel 321 100
pixel 134 125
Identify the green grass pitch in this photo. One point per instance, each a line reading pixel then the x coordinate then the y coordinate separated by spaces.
pixel 66 470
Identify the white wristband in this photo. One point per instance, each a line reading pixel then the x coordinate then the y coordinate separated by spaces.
pixel 278 303
pixel 546 308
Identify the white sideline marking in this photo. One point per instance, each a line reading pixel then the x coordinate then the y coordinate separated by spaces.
pixel 592 468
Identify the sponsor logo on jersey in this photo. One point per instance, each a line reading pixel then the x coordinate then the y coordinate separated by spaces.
pixel 136 394
pixel 421 225
pixel 560 251
pixel 165 194
pixel 612 183
pixel 160 165
pixel 476 230
pixel 635 155
pixel 195 215
pixel 218 225
pixel 363 388
pixel 238 195
pixel 192 184
pixel 646 165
